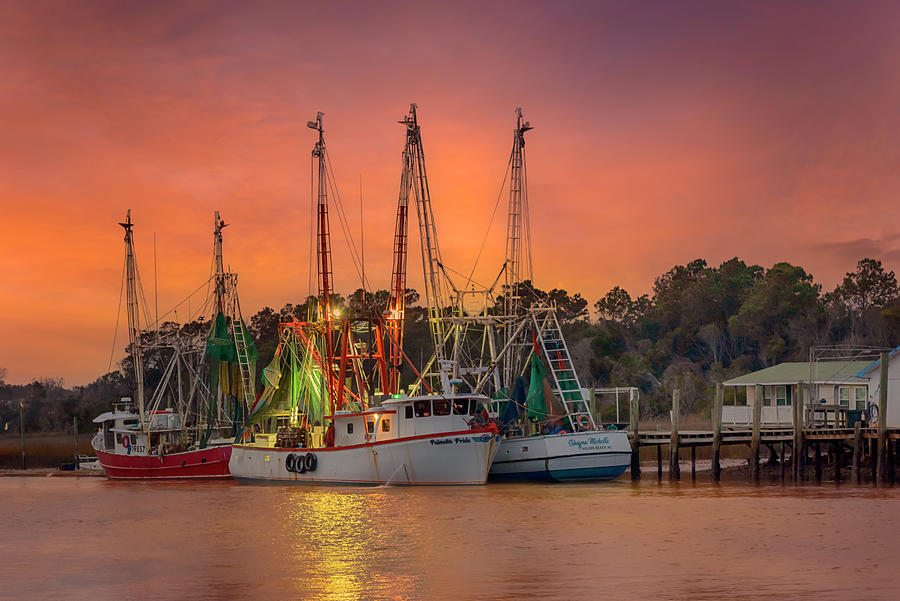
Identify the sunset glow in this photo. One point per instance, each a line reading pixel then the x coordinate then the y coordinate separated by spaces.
pixel 691 130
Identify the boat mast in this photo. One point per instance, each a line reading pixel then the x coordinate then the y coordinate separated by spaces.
pixel 134 325
pixel 518 251
pixel 397 303
pixel 323 256
pixel 436 289
pixel 221 293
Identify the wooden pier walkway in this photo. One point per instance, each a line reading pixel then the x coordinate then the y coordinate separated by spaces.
pixel 875 446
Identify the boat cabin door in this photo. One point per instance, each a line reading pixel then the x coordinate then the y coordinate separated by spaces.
pixel 109 437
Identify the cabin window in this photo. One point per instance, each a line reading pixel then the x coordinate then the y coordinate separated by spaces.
pixel 154 441
pixel 386 424
pixel 130 422
pixel 861 398
pixel 349 428
pixel 461 406
pixel 409 412
pixel 423 408
pixel 370 426
pixel 442 407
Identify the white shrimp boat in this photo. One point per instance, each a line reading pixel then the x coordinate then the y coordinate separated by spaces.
pixel 425 440
pixel 564 457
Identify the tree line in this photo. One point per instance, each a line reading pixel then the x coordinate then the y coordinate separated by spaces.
pixel 700 325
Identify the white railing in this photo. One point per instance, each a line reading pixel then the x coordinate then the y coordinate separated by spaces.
pixel 742 415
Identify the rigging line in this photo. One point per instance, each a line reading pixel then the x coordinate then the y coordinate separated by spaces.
pixel 342 217
pixel 212 269
pixel 493 215
pixel 185 299
pixel 469 278
pixel 526 211
pixel 362 240
pixel 345 226
pixel 313 268
pixel 118 315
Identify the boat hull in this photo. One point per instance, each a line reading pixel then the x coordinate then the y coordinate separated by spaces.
pixel 454 458
pixel 211 462
pixel 579 456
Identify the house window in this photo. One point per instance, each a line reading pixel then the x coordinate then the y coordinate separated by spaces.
pixel 780 393
pixel 781 396
pixel 861 398
pixel 845 396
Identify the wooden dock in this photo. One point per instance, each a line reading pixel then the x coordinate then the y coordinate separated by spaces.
pixel 874 447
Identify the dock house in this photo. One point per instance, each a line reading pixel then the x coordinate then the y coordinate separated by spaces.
pixel 871 373
pixel 838 386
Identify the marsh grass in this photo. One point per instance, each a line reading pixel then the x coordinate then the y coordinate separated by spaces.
pixel 42 449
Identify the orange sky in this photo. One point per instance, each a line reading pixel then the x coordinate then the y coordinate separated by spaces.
pixel 664 132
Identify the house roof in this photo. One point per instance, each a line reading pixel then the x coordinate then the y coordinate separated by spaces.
pixel 863 373
pixel 826 372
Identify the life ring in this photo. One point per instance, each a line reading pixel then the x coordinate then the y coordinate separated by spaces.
pixel 289 462
pixel 310 462
pixel 584 422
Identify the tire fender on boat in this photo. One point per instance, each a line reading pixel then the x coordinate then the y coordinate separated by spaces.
pixel 289 462
pixel 310 462
pixel 300 465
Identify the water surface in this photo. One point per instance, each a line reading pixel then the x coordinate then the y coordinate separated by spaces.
pixel 88 538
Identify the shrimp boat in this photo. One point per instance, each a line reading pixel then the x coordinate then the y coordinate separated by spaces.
pixel 330 411
pixel 427 440
pixel 145 440
pixel 486 339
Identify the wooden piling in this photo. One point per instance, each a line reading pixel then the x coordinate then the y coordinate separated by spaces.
pixel 693 462
pixel 22 431
pixel 75 430
pixel 836 448
pixel 890 461
pixel 783 458
pixel 818 451
pixel 717 432
pixel 674 468
pixel 634 415
pixel 882 471
pixel 873 458
pixel 857 451
pixel 798 452
pixel 659 462
pixel 754 439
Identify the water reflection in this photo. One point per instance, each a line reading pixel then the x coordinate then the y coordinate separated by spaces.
pixel 225 542
pixel 345 544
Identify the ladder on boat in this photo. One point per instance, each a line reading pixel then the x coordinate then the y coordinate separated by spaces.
pixel 564 381
pixel 243 358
